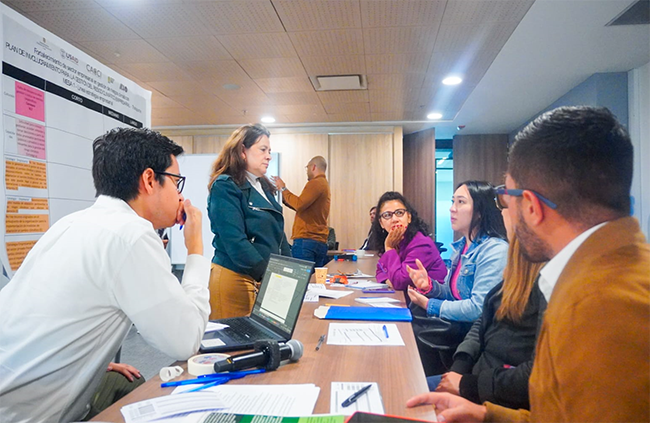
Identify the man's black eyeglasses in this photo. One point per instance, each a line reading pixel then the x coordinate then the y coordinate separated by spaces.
pixel 502 192
pixel 180 182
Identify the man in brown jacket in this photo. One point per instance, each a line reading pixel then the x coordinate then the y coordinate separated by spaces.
pixel 312 209
pixel 568 188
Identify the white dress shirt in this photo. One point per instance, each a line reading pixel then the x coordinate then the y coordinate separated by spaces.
pixel 553 269
pixel 255 182
pixel 71 303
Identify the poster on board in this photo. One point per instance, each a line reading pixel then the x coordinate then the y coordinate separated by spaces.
pixel 55 101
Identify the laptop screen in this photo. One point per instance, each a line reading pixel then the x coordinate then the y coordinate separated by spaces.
pixel 282 291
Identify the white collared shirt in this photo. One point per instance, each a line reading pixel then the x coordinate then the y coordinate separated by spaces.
pixel 553 269
pixel 255 182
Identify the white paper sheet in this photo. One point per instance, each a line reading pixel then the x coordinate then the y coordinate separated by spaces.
pixel 166 406
pixel 371 300
pixel 370 401
pixel 213 326
pixel 363 334
pixel 270 400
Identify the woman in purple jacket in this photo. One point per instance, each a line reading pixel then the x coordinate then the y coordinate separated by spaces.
pixel 403 237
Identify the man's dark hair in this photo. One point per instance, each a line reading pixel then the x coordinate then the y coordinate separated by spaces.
pixel 416 225
pixel 122 154
pixel 580 158
pixel 486 218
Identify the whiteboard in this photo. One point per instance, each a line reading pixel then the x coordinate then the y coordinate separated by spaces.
pixel 196 169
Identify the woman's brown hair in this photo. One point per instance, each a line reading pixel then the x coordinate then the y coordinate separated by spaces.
pixel 518 280
pixel 230 160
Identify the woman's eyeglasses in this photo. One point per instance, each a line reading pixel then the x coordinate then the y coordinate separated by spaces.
pixel 180 182
pixel 502 193
pixel 387 215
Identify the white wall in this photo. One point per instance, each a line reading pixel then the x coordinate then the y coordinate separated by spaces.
pixel 639 126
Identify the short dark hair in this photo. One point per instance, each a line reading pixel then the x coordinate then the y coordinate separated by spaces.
pixel 578 157
pixel 122 154
pixel 416 225
pixel 486 218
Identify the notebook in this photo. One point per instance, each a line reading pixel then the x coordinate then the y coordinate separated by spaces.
pixel 275 312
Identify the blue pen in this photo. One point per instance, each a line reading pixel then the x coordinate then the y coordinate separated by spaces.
pixel 233 375
pixel 205 386
pixel 385 331
pixel 194 381
pixel 184 218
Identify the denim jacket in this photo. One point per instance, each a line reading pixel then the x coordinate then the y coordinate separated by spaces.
pixel 481 269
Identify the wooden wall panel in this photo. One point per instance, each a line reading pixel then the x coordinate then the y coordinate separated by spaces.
pixel 361 170
pixel 480 157
pixel 209 144
pixel 295 152
pixel 185 141
pixel 420 174
pixel 398 159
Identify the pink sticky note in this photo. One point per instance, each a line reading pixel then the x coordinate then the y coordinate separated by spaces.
pixel 30 102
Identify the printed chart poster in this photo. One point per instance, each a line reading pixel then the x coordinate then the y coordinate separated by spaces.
pixel 55 101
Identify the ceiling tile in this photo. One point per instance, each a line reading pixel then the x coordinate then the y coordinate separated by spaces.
pixel 349 117
pixel 399 40
pixel 162 20
pixel 472 38
pixel 285 85
pixel 238 17
pixel 310 109
pixel 125 51
pixel 83 24
pixel 382 101
pixel 356 96
pixel 37 5
pixel 256 46
pixel 159 101
pixel 119 3
pixel 191 49
pixel 294 98
pixel 226 71
pixel 385 13
pixel 387 117
pixel 328 42
pixel 306 15
pixel 352 108
pixel 395 81
pixel 149 72
pixel 334 65
pixel 243 97
pixel 204 103
pixel 476 11
pixel 308 118
pixel 273 67
pixel 397 63
pixel 173 88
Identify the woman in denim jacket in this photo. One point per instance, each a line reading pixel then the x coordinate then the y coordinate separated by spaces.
pixel 476 267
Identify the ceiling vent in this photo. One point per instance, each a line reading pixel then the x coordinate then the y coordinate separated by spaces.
pixel 339 82
pixel 637 14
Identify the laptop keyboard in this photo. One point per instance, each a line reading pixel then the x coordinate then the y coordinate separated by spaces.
pixel 238 327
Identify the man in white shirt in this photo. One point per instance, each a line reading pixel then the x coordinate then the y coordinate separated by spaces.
pixel 71 303
pixel 568 188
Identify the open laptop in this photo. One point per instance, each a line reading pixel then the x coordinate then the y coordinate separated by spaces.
pixel 275 312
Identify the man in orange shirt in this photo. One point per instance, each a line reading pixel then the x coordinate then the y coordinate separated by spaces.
pixel 312 209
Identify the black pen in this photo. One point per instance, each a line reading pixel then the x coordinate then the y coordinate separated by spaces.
pixel 320 342
pixel 354 397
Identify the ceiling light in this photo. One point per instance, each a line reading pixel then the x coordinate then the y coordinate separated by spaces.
pixel 434 116
pixel 267 119
pixel 452 80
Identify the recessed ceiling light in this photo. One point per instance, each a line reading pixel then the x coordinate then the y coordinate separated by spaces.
pixel 267 119
pixel 452 80
pixel 231 87
pixel 434 116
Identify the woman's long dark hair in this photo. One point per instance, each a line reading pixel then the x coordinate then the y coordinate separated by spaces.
pixel 486 218
pixel 416 225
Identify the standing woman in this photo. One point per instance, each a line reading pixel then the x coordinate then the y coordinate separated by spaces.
pixel 246 221
pixel 402 238
pixel 477 266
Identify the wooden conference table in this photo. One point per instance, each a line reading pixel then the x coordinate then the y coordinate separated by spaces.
pixel 397 370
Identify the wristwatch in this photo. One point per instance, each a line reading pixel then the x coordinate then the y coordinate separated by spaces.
pixel 283 189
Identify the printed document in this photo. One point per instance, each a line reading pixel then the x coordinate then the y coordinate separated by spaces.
pixel 370 401
pixel 364 334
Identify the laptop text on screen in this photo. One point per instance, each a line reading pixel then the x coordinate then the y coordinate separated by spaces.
pixel 275 312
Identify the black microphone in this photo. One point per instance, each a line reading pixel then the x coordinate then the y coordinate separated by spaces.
pixel 268 354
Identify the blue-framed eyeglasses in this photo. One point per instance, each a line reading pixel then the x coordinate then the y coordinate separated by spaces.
pixel 502 192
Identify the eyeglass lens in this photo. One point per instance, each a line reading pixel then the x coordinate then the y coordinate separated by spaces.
pixel 389 214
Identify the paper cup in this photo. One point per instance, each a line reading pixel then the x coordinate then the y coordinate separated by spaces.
pixel 321 274
pixel 360 253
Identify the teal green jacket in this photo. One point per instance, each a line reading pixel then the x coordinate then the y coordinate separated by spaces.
pixel 246 227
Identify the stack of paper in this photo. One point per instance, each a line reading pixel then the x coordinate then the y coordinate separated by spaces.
pixel 363 334
pixel 378 301
pixel 370 401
